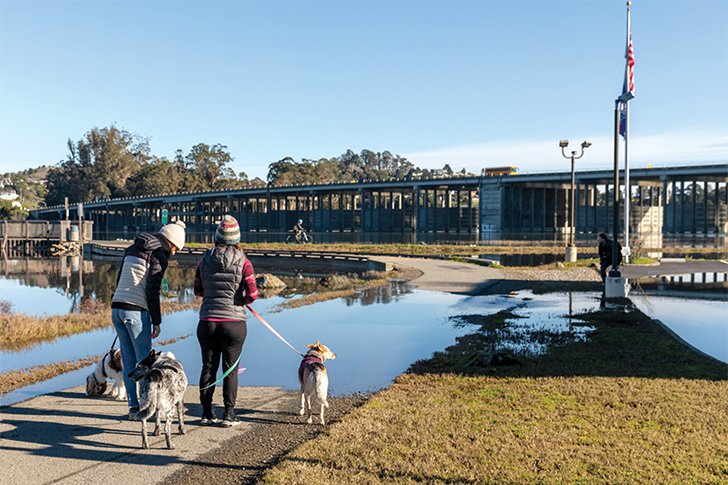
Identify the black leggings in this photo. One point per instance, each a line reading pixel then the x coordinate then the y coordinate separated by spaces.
pixel 217 339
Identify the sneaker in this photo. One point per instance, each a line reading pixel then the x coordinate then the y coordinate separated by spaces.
pixel 133 414
pixel 230 421
pixel 209 420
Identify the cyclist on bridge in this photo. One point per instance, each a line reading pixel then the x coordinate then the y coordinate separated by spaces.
pixel 298 229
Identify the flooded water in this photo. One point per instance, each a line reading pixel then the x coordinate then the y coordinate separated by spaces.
pixel 702 324
pixel 376 334
pixel 60 285
pixel 374 341
pixel 696 285
pixel 545 320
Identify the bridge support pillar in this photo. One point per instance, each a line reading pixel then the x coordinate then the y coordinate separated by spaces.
pixel 490 215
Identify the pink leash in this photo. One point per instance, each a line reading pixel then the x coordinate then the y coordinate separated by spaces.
pixel 262 320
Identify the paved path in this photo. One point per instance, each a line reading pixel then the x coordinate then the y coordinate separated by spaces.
pixel 448 276
pixel 70 438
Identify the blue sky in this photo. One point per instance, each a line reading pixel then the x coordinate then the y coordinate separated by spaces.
pixel 472 84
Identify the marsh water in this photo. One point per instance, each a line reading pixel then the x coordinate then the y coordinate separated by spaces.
pixel 376 333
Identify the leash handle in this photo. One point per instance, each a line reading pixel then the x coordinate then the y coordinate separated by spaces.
pixel 268 325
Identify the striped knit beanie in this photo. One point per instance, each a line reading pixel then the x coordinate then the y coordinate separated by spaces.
pixel 228 231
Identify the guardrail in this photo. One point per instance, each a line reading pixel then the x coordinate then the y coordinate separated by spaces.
pixel 290 260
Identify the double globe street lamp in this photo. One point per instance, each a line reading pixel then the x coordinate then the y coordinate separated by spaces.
pixel 570 256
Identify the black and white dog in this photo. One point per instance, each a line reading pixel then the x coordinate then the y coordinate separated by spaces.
pixel 162 383
pixel 108 367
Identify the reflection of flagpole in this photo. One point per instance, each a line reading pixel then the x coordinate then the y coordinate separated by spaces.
pixel 627 188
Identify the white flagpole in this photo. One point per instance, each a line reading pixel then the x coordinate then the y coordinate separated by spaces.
pixel 627 188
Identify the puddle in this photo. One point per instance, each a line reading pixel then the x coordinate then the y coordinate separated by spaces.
pixel 542 321
pixel 703 324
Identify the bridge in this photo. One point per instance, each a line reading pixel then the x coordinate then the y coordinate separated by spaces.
pixel 689 200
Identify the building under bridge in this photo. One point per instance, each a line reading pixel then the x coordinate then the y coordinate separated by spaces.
pixel 680 201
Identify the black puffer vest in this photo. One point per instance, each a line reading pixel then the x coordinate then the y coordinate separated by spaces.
pixel 221 272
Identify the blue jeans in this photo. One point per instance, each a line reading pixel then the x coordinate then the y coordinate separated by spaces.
pixel 134 329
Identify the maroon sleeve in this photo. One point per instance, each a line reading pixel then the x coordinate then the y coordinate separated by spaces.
pixel 248 284
pixel 199 291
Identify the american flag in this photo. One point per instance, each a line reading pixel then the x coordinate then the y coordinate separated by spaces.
pixel 628 86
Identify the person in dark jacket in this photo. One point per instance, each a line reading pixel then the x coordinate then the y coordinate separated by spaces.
pixel 135 309
pixel 606 246
pixel 226 282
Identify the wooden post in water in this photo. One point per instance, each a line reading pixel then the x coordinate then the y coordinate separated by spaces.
pixel 5 239
pixel 26 244
pixel 79 208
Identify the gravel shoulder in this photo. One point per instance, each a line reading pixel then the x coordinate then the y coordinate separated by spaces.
pixel 244 458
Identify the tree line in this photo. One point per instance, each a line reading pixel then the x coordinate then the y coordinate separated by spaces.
pixel 111 162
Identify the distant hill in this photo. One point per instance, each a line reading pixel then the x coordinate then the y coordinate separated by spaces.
pixel 30 185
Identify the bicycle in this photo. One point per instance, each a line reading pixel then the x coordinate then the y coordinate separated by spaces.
pixel 303 237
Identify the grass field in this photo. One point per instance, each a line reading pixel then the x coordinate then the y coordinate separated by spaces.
pixel 495 247
pixel 630 405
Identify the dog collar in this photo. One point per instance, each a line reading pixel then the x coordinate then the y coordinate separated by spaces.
pixel 310 359
pixel 103 365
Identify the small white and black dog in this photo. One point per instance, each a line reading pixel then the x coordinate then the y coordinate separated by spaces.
pixel 108 367
pixel 313 378
pixel 162 383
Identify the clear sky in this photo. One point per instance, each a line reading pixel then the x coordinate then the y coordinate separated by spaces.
pixel 472 84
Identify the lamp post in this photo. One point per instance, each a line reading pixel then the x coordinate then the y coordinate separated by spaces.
pixel 571 249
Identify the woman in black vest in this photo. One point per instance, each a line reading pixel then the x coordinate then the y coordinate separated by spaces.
pixel 226 282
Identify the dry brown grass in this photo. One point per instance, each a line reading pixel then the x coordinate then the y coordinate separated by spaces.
pixel 18 331
pixel 172 340
pixel 16 379
pixel 171 306
pixel 341 287
pixel 454 429
pixel 493 247
pixel 314 298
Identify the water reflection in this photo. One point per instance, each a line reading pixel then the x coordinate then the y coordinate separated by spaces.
pixel 699 285
pixel 701 324
pixel 537 323
pixel 67 285
pixel 374 342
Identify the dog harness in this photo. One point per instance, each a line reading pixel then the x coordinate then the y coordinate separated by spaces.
pixel 307 360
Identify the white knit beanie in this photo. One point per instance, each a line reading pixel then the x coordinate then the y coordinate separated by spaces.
pixel 174 233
